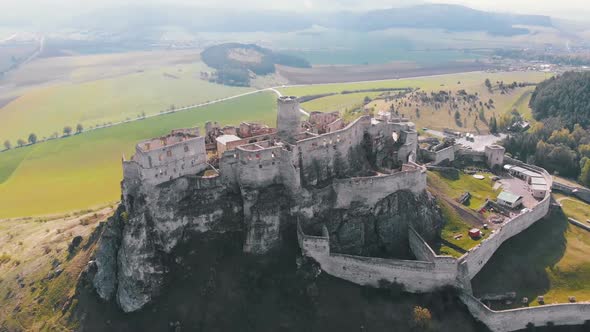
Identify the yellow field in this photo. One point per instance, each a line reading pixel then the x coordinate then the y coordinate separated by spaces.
pixel 88 96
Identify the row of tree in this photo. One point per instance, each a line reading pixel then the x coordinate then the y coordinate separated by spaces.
pixel 554 147
pixel 32 139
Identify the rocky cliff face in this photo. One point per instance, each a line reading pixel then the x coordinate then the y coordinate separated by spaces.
pixel 132 259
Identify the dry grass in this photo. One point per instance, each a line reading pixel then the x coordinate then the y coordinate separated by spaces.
pixel 31 299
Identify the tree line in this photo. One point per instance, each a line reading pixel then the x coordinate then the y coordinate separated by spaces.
pixel 553 146
pixel 33 138
pixel 560 141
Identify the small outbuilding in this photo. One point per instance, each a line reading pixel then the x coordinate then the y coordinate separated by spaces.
pixel 539 190
pixel 475 233
pixel 509 199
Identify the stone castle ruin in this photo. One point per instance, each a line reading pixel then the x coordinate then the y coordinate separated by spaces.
pixel 352 192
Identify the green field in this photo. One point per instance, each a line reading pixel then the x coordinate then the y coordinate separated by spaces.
pixel 434 83
pixel 47 110
pixel 550 259
pixel 85 170
pixel 339 102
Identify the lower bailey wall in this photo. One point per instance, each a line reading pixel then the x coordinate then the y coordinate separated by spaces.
pixel 518 319
pixel 370 190
pixel 415 276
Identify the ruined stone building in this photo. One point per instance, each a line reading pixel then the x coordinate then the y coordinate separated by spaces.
pixel 359 180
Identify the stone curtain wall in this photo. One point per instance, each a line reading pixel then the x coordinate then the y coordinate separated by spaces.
pixel 440 156
pixel 318 155
pixel 370 190
pixel 581 193
pixel 415 276
pixel 517 319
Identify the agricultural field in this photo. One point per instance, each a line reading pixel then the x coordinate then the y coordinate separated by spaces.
pixel 339 102
pixel 549 259
pixel 428 83
pixel 429 116
pixel 335 74
pixel 45 110
pixel 84 170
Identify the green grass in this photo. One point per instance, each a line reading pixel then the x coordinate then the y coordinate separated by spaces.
pixel 46 110
pixel 427 83
pixel 480 189
pixel 455 225
pixel 550 259
pixel 85 170
pixel 575 208
pixel 338 102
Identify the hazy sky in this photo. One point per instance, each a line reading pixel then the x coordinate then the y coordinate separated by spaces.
pixel 579 9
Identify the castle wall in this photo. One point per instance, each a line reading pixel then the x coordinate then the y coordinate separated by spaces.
pixel 259 168
pixel 170 162
pixel 477 257
pixel 581 193
pixel 517 319
pixel 437 157
pixel 370 190
pixel 318 155
pixel 415 276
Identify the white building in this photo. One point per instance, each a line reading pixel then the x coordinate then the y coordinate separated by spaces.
pixel 509 199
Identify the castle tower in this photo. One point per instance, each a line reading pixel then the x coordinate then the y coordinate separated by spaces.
pixel 288 118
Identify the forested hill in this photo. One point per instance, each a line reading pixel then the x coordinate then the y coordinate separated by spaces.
pixel 235 61
pixel 566 97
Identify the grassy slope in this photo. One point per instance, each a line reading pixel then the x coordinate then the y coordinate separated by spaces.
pixel 47 110
pixel 430 118
pixel 454 223
pixel 550 258
pixel 480 189
pixel 30 247
pixel 85 170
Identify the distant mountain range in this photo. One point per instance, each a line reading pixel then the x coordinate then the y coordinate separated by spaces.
pixel 428 16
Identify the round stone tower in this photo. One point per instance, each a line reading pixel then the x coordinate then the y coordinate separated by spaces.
pixel 288 118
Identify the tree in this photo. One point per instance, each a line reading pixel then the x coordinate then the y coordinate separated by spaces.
pixel 488 84
pixel 20 142
pixel 585 174
pixel 67 131
pixel 7 145
pixel 493 125
pixel 32 138
pixel 79 128
pixel 422 317
pixel 367 99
